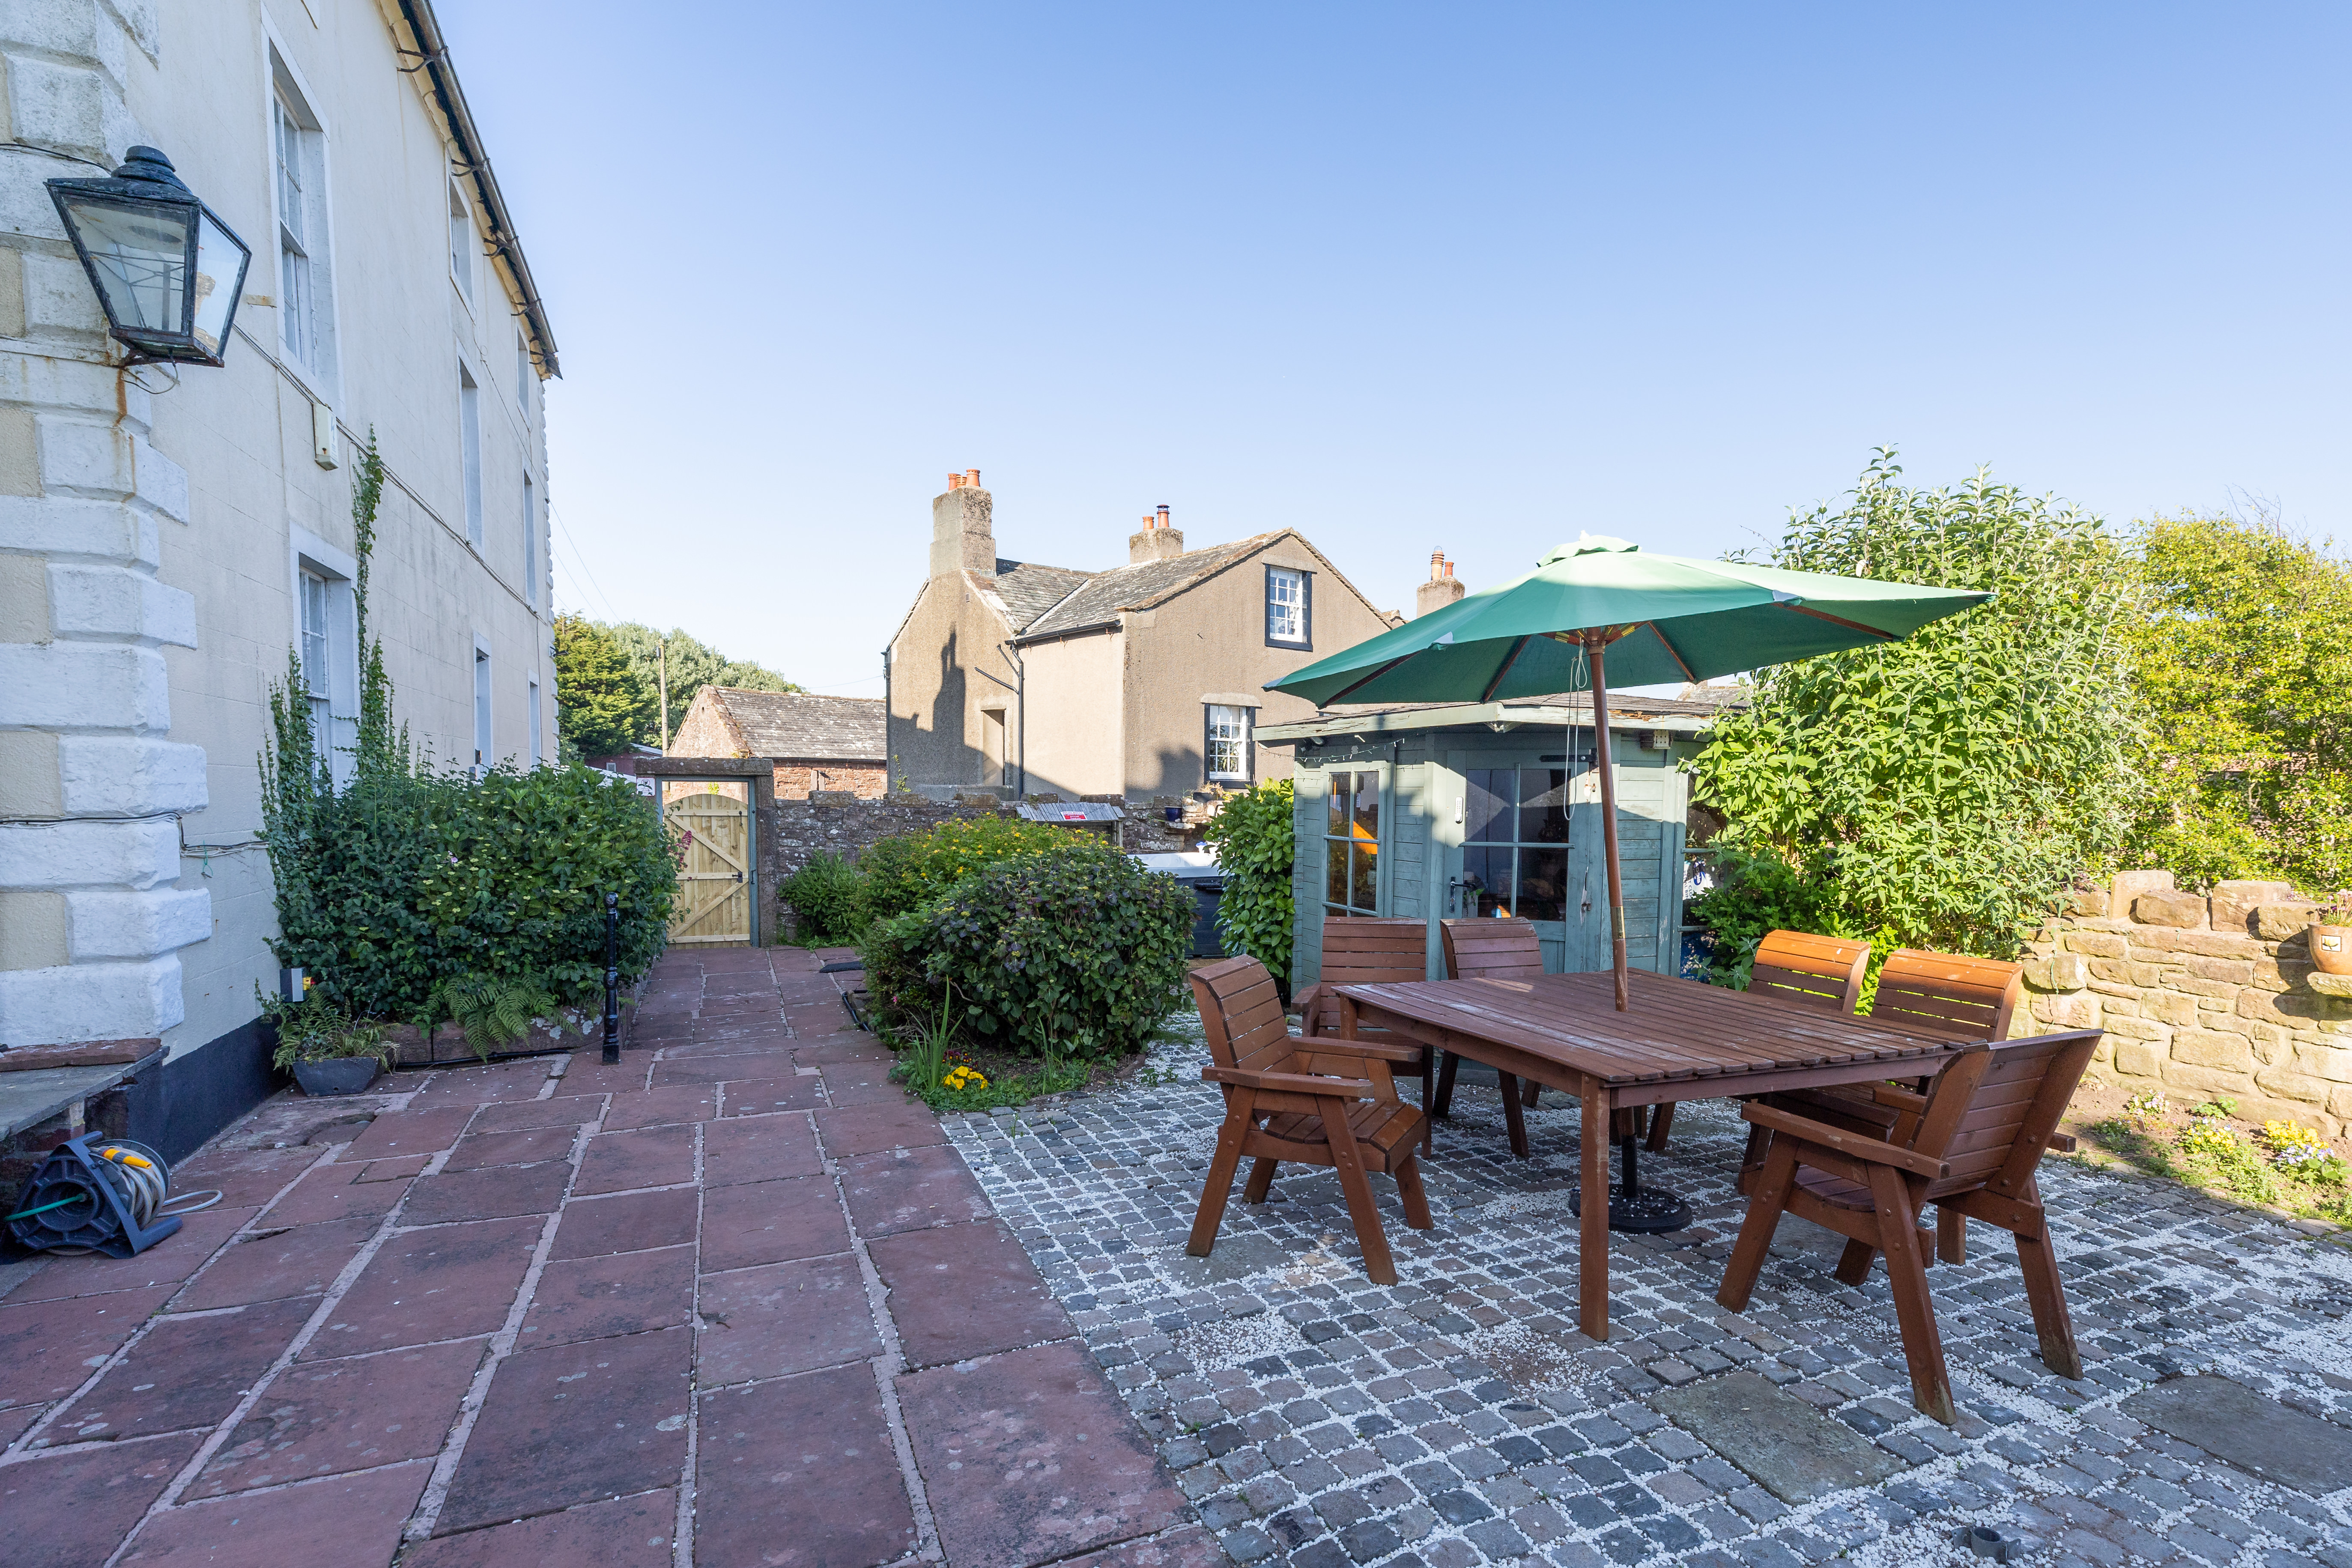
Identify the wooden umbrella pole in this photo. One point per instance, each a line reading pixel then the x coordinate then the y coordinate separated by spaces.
pixel 1594 643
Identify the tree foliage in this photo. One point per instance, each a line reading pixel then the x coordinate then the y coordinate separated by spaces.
pixel 602 704
pixel 1256 845
pixel 693 665
pixel 2244 661
pixel 1940 790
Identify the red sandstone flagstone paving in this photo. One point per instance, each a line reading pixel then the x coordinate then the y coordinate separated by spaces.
pixel 733 1302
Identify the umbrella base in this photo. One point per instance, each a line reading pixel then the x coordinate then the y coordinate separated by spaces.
pixel 1645 1212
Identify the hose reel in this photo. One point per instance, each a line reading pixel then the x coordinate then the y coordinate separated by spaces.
pixel 96 1194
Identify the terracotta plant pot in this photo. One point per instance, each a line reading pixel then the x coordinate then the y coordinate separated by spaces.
pixel 337 1075
pixel 2331 949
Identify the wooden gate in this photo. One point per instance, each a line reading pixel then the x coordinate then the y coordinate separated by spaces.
pixel 710 822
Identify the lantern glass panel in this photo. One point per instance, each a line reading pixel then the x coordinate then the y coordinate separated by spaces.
pixel 140 252
pixel 220 274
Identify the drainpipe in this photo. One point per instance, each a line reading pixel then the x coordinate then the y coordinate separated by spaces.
pixel 885 726
pixel 1021 701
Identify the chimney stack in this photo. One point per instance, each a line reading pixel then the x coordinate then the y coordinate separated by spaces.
pixel 1156 541
pixel 963 537
pixel 1441 590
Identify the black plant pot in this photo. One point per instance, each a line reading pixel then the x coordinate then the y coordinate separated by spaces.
pixel 337 1075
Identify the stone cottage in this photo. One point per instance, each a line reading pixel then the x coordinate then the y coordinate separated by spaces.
pixel 1144 680
pixel 2200 995
pixel 817 742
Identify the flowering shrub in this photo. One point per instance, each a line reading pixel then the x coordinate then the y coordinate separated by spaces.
pixel 2301 1152
pixel 1077 953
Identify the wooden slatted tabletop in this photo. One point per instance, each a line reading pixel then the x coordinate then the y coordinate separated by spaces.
pixel 1679 1040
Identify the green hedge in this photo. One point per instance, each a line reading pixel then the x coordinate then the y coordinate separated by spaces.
pixel 1256 843
pixel 908 871
pixel 402 880
pixel 1077 953
pixel 827 895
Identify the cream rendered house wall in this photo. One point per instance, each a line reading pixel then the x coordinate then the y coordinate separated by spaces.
pixel 1211 640
pixel 940 664
pixel 192 504
pixel 1076 730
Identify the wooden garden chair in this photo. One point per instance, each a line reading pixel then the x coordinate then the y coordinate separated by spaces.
pixel 1945 993
pixel 1822 972
pixel 1315 1102
pixel 1361 951
pixel 1491 950
pixel 1970 1145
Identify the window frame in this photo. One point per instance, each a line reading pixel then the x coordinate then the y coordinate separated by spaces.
pixel 1305 641
pixel 1519 845
pixel 307 338
pixel 310 559
pixel 529 542
pixel 535 713
pixel 463 243
pixel 469 456
pixel 1246 740
pixel 1380 778
pixel 485 710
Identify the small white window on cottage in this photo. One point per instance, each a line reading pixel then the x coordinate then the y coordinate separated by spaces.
pixel 293 257
pixel 461 242
pixel 481 710
pixel 318 670
pixel 469 436
pixel 1286 615
pixel 530 542
pixel 535 756
pixel 1228 744
pixel 522 374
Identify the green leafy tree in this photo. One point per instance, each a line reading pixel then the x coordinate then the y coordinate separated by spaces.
pixel 602 703
pixel 1940 790
pixel 1256 845
pixel 693 665
pixel 2244 660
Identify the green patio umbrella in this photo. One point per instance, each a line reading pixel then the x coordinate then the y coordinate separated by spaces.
pixel 1648 617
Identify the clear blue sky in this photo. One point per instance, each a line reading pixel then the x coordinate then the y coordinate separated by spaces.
pixel 1405 277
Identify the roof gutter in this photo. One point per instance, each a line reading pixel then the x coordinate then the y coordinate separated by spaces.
pixel 431 52
pixel 1097 629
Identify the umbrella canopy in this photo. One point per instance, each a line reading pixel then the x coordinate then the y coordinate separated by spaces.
pixel 1650 617
pixel 1668 618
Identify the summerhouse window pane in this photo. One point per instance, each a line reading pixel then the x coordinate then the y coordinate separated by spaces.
pixel 1543 885
pixel 1487 870
pixel 1334 885
pixel 1342 786
pixel 1491 794
pixel 1543 806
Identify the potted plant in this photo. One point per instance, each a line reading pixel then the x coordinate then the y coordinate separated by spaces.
pixel 326 1052
pixel 2331 938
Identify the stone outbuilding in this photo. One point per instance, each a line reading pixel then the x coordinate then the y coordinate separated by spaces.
pixel 817 742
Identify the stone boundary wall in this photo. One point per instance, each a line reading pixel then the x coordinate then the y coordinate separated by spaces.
pixel 845 824
pixel 2200 995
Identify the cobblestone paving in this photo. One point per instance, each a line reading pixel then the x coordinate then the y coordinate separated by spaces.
pixel 1460 1418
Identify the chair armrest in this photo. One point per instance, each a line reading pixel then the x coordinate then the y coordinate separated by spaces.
pixel 1859 1146
pixel 1896 1099
pixel 1291 1082
pixel 1333 1046
pixel 1309 1006
pixel 2062 1143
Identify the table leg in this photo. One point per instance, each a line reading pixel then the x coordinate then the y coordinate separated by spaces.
pixel 1592 1224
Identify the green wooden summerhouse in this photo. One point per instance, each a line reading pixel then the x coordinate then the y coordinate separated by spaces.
pixel 1436 812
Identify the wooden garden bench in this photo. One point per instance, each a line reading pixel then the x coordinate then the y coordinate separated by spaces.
pixel 1969 1146
pixel 1315 1102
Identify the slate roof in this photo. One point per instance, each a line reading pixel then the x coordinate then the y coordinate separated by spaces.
pixel 1104 593
pixel 789 725
pixel 1029 590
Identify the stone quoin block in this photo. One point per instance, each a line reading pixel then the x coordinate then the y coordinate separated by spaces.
pixel 87 530
pixel 88 854
pixel 129 776
pixel 2183 912
pixel 59 301
pixel 84 686
pixel 89 1002
pixel 87 458
pixel 138 925
pixel 160 482
pixel 110 601
pixel 58 105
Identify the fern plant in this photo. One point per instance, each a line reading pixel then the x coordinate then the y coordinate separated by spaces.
pixel 490 1012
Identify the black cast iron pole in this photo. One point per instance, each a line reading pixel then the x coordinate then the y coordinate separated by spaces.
pixel 612 978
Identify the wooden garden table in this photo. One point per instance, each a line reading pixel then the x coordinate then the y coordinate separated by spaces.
pixel 1678 1040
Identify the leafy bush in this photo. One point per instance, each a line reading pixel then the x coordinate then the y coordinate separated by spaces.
pixel 909 869
pixel 1256 845
pixel 1078 953
pixel 1947 785
pixel 828 896
pixel 404 879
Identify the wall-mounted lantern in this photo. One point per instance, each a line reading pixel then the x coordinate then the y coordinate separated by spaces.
pixel 168 271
